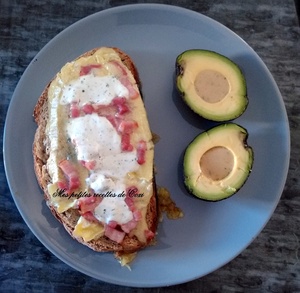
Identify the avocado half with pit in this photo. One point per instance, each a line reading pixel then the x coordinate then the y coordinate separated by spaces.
pixel 211 84
pixel 218 162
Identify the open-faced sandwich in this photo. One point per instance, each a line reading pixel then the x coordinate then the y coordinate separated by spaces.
pixel 93 153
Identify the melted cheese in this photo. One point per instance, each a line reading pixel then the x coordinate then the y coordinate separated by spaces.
pixel 97 140
pixel 88 230
pixel 61 203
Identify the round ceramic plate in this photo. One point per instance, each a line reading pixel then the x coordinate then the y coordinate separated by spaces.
pixel 210 234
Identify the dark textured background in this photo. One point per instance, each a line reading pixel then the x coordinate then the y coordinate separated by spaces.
pixel 271 263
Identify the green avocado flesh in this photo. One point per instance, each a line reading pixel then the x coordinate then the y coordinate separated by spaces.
pixel 212 85
pixel 218 162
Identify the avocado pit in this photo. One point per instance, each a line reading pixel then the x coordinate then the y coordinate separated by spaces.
pixel 211 86
pixel 217 163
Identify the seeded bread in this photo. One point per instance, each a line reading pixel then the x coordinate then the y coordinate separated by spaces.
pixel 70 217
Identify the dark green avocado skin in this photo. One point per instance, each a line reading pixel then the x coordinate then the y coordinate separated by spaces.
pixel 192 190
pixel 179 72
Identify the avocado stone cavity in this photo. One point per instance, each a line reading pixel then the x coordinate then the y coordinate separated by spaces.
pixel 211 84
pixel 218 162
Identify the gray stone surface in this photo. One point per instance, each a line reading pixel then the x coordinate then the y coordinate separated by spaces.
pixel 271 263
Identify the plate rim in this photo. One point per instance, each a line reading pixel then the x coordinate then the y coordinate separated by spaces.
pixel 169 9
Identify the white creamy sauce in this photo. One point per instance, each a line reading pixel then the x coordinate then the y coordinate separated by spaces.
pixel 99 182
pixel 93 89
pixel 93 136
pixel 113 209
pixel 97 140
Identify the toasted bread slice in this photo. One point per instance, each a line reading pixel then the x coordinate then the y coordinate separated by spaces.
pixel 92 230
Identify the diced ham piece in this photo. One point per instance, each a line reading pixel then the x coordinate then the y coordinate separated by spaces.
pixel 122 109
pixel 127 126
pixel 90 217
pixel 115 121
pixel 88 68
pixel 119 68
pixel 63 185
pixel 74 110
pixel 126 146
pixel 129 200
pixel 71 173
pixel 149 235
pixel 114 68
pixel 123 77
pixel 105 110
pixel 89 203
pixel 131 192
pixel 74 181
pixel 137 215
pixel 130 203
pixel 127 227
pixel 114 234
pixel 112 224
pixel 88 108
pixel 119 101
pixel 90 165
pixel 141 152
pixel 121 104
pixel 133 93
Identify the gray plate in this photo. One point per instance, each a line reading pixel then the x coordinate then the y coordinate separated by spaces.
pixel 210 234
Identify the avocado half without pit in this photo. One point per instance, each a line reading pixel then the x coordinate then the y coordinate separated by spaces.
pixel 218 162
pixel 212 85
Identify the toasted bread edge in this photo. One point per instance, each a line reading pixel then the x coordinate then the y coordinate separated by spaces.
pixel 69 218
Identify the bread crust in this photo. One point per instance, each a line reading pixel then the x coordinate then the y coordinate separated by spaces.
pixel 70 217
